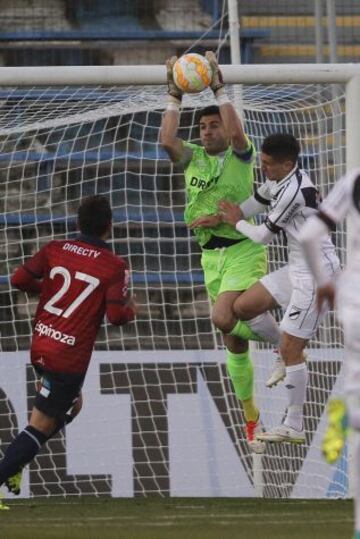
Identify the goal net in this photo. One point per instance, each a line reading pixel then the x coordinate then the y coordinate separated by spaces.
pixel 160 416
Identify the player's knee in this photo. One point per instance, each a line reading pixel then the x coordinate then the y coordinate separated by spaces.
pixel 240 310
pixel 42 422
pixel 222 320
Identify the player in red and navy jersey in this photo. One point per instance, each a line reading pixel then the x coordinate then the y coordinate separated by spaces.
pixel 79 282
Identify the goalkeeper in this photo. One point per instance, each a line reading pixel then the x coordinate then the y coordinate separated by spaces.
pixel 223 167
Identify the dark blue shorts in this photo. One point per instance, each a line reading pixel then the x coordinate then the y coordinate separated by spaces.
pixel 58 392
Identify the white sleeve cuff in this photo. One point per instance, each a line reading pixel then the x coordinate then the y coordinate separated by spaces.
pixel 257 233
pixel 251 207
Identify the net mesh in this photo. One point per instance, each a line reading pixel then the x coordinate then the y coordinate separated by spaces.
pixel 60 145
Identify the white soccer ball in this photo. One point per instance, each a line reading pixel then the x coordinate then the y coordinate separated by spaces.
pixel 192 73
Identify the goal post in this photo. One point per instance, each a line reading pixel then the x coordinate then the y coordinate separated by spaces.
pixel 160 416
pixel 346 74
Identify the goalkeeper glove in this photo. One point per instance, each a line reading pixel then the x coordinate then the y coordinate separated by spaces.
pixel 175 94
pixel 217 83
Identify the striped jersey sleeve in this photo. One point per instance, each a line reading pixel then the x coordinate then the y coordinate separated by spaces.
pixel 262 194
pixel 288 202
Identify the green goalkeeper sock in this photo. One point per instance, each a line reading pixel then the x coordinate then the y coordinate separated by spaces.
pixel 241 372
pixel 242 330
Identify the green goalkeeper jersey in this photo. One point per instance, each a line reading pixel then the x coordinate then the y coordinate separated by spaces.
pixel 211 178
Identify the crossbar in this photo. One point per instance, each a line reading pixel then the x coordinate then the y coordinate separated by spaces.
pixel 156 74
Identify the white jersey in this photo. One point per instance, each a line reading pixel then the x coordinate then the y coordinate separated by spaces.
pixel 292 201
pixel 344 200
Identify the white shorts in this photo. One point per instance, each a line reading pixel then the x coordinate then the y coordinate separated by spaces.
pixel 298 298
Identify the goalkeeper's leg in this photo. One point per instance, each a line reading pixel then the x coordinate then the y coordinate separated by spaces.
pixel 241 372
pixel 244 315
pixel 252 304
pixel 239 365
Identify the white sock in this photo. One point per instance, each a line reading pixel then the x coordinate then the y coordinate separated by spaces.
pixel 266 327
pixel 295 383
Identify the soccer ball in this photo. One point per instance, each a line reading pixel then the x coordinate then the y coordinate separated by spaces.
pixel 192 73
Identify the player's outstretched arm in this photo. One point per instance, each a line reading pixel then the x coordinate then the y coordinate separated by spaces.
pixel 233 215
pixel 309 237
pixel 229 116
pixel 230 213
pixel 333 210
pixel 172 144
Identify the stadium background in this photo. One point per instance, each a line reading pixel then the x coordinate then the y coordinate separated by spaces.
pixel 85 32
pixel 45 33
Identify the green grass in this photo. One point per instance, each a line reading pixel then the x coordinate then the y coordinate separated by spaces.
pixel 177 518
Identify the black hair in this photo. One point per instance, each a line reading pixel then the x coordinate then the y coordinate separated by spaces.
pixel 94 215
pixel 211 110
pixel 282 147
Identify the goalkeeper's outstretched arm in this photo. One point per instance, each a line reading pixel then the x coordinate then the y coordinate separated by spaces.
pixel 172 144
pixel 230 119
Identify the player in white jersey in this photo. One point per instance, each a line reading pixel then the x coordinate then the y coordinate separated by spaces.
pixel 291 198
pixel 343 201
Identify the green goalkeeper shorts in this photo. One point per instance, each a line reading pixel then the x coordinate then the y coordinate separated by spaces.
pixel 233 268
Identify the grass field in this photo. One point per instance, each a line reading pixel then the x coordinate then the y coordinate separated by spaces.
pixel 177 518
